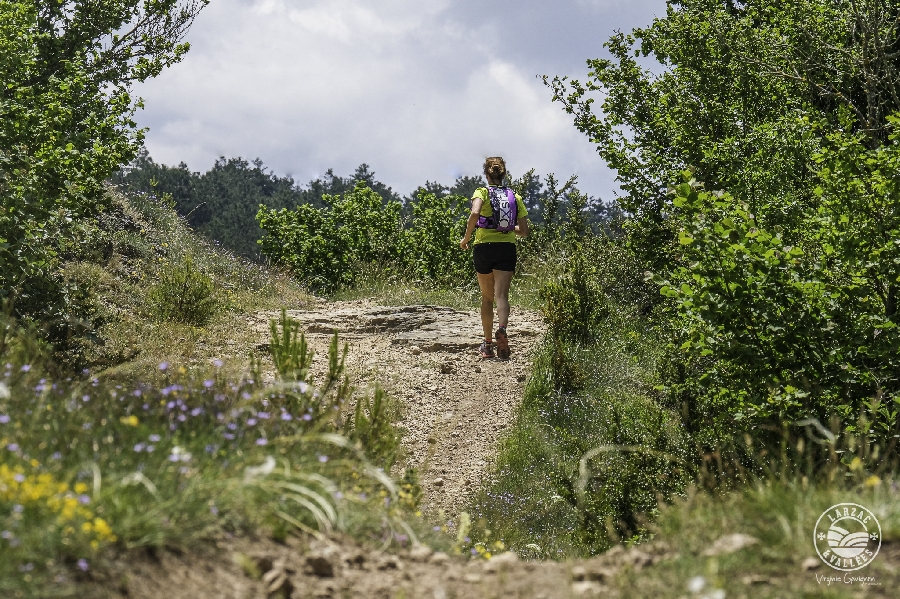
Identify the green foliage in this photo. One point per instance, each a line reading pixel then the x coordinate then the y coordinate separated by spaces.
pixel 372 427
pixel 323 247
pixel 331 248
pixel 802 327
pixel 221 203
pixel 431 243
pixel 290 352
pixel 184 294
pixel 65 126
pixel 90 465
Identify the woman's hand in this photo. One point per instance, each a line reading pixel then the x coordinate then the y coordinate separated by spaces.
pixel 464 243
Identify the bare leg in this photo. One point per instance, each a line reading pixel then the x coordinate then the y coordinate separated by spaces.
pixel 502 281
pixel 486 282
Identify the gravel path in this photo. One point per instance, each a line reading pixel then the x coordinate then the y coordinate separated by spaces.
pixel 454 405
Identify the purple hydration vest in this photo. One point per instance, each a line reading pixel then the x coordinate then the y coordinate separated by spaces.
pixel 505 210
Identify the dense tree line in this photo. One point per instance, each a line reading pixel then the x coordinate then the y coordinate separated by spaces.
pixel 222 203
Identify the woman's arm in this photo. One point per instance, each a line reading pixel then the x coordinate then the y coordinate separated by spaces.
pixel 522 226
pixel 470 224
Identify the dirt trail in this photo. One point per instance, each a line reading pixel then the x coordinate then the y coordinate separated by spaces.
pixel 455 405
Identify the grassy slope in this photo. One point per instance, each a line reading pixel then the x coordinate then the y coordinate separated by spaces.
pixel 129 454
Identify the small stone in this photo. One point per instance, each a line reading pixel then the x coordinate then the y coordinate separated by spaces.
pixel 472 577
pixel 730 544
pixel 438 557
pixel 277 584
pixel 438 482
pixel 752 579
pixel 811 563
pixel 501 562
pixel 586 589
pixel 478 369
pixel 447 368
pixel 420 552
pixel 416 350
pixel 432 440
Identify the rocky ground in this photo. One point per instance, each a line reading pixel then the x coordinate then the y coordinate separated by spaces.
pixel 333 568
pixel 454 404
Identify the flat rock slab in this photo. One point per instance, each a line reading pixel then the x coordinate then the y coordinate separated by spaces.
pixel 431 328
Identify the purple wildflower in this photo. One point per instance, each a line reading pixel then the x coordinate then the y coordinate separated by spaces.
pixel 18 508
pixel 246 395
pixel 150 448
pixel 164 366
pixel 137 392
pixel 56 456
pixel 231 426
pixel 25 368
pixel 263 415
pixel 13 447
pixel 85 398
pixel 262 441
pixel 286 416
pixel 4 418
pixel 323 458
pixel 213 510
pixel 83 565
pixel 217 363
pixel 155 438
pixel 228 436
pixel 208 383
pixel 6 535
pixel 307 417
pixel 84 499
pixel 139 447
pixel 251 421
pixel 86 426
pixel 19 478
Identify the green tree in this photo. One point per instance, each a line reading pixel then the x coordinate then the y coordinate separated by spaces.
pixel 782 285
pixel 66 124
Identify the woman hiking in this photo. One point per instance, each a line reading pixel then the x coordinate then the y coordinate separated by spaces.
pixel 498 216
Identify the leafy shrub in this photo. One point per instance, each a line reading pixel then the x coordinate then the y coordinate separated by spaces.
pixel 333 247
pixel 431 243
pixel 785 325
pixel 184 294
pixel 323 247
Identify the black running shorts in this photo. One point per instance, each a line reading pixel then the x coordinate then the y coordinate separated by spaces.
pixel 491 256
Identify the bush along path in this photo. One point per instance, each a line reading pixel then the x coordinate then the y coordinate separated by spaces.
pixel 451 405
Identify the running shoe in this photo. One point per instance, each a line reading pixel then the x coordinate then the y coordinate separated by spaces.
pixel 486 349
pixel 502 343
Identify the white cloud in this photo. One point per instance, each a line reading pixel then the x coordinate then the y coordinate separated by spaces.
pixel 399 84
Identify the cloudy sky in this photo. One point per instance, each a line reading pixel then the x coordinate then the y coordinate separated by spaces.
pixel 418 90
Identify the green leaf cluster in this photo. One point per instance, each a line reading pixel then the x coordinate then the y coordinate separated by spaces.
pixel 328 247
